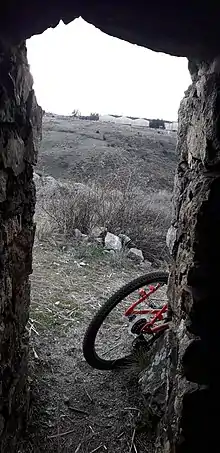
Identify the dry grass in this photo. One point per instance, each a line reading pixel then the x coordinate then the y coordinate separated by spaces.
pixel 68 279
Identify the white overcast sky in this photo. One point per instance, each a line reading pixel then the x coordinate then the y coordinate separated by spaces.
pixel 76 66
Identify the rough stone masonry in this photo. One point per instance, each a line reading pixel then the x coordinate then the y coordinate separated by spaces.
pixel 20 128
pixel 191 419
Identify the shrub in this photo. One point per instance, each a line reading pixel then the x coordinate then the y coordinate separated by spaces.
pixel 94 116
pixel 115 204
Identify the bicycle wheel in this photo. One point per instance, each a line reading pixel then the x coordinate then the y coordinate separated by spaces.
pixel 108 339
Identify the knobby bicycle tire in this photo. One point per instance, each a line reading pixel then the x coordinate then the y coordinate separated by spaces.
pixel 90 336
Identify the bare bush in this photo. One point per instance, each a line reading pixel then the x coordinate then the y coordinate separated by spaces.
pixel 115 204
pixel 76 113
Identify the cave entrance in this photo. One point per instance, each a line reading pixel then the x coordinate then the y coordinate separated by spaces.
pixel 108 148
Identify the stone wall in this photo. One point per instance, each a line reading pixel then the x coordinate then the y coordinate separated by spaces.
pixel 20 129
pixel 191 419
pixel 190 381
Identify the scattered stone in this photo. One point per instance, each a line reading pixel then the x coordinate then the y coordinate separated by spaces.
pixel 112 242
pixel 136 255
pixel 66 400
pixel 146 264
pixel 99 241
pixel 125 240
pixel 78 234
pixel 98 232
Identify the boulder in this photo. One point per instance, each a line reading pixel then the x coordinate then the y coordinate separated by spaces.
pixel 136 255
pixel 113 242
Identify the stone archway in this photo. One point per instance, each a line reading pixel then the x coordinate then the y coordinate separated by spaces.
pixel 192 375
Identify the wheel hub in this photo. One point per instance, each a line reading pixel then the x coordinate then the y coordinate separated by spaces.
pixel 137 326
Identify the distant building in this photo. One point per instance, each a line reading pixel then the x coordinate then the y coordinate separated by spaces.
pixel 171 125
pixel 157 124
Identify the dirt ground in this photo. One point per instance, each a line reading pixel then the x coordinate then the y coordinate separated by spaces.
pixel 75 408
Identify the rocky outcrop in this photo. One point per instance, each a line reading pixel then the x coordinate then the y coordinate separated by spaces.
pixel 20 130
pixel 191 417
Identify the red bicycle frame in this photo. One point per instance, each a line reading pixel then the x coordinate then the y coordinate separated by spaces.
pixel 157 313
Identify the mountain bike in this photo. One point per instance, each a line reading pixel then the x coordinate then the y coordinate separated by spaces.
pixel 133 317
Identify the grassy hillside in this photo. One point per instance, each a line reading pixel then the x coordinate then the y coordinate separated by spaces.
pixel 83 150
pixel 125 173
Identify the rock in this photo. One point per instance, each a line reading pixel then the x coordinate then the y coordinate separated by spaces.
pixel 99 241
pixel 36 176
pixel 85 238
pixel 2 424
pixel 125 240
pixel 113 242
pixel 145 264
pixel 78 234
pixel 171 238
pixel 136 255
pixel 3 185
pixel 98 232
pixel 153 380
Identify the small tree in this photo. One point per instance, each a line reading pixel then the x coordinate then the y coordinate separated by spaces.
pixel 75 113
pixel 94 116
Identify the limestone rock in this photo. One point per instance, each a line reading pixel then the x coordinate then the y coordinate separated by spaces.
pixel 97 232
pixel 113 242
pixel 136 255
